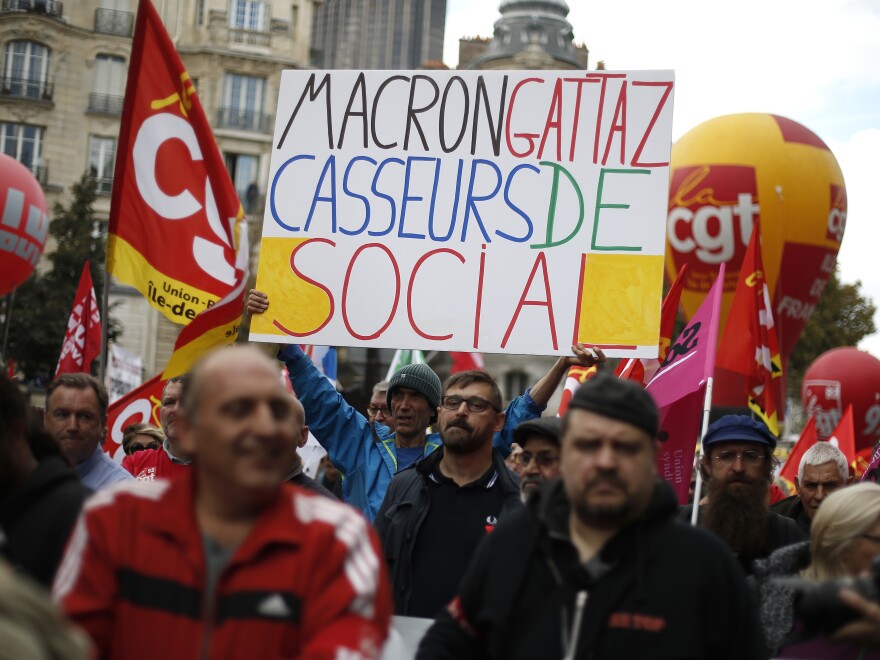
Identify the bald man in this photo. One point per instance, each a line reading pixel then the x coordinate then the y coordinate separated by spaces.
pixel 295 474
pixel 304 577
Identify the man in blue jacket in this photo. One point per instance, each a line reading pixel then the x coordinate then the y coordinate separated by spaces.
pixel 368 455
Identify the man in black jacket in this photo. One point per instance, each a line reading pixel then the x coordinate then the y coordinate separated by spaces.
pixel 437 511
pixel 40 494
pixel 597 566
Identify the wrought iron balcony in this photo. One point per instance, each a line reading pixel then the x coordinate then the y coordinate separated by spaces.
pixel 112 21
pixel 246 120
pixel 52 8
pixel 24 88
pixel 106 104
pixel 250 37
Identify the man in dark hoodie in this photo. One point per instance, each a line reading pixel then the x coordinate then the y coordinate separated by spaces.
pixel 597 566
pixel 40 494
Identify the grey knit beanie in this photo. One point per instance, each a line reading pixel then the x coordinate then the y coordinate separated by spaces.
pixel 418 377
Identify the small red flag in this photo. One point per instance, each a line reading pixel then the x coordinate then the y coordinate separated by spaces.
pixel 82 341
pixel 749 345
pixel 140 406
pixel 576 376
pixel 806 440
pixel 466 361
pixel 844 436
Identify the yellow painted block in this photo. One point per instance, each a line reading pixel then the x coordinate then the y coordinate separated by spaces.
pixel 294 303
pixel 620 300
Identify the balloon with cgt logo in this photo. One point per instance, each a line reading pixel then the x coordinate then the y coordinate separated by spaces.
pixel 24 223
pixel 728 172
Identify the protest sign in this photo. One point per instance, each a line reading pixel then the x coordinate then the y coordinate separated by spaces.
pixel 496 212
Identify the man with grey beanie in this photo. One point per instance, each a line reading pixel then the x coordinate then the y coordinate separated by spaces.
pixel 596 565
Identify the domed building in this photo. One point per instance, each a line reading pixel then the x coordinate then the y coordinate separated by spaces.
pixel 530 34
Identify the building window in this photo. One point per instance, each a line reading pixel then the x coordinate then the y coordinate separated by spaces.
pixel 26 70
pixel 243 170
pixel 249 15
pixel 515 383
pixel 102 159
pixel 108 87
pixel 23 142
pixel 200 12
pixel 242 105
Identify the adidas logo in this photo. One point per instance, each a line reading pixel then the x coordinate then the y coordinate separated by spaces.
pixel 274 606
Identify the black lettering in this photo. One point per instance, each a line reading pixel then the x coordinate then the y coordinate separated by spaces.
pixel 375 105
pixel 411 112
pixel 359 85
pixel 313 95
pixel 464 114
pixel 494 133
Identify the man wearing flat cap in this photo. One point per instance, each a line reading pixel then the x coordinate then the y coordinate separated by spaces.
pixel 737 467
pixel 539 459
pixel 596 564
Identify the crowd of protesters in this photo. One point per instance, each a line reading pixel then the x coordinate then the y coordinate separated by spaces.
pixel 515 533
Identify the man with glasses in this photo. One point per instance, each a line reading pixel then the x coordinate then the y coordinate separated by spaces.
pixel 539 459
pixel 436 512
pixel 737 466
pixel 378 411
pixel 168 460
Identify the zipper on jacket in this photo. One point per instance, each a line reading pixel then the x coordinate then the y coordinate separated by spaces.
pixel 570 640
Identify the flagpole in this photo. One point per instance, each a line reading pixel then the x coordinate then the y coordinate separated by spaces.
pixel 707 408
pixel 105 324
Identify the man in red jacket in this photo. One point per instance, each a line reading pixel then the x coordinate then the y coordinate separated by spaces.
pixel 168 460
pixel 228 561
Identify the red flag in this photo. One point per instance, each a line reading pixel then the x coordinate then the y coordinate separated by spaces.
pixel 466 361
pixel 82 341
pixel 140 406
pixel 573 380
pixel 642 370
pixel 177 230
pixel 806 440
pixel 844 436
pixel 749 345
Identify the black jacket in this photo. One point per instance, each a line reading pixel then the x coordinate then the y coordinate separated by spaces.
pixel 38 517
pixel 792 507
pixel 658 589
pixel 405 507
pixel 781 531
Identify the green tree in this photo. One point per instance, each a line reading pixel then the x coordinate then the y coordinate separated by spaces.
pixel 842 318
pixel 42 304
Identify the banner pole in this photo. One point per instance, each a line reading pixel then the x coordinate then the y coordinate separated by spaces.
pixel 105 324
pixel 707 408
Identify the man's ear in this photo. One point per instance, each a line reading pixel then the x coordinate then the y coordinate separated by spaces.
pixel 304 437
pixel 797 484
pixel 499 422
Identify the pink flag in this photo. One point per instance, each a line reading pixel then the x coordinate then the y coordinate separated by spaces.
pixel 82 341
pixel 679 389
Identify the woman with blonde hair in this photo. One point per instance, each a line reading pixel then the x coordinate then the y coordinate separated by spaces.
pixel 844 540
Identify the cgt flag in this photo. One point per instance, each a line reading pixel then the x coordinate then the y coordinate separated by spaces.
pixel 749 345
pixel 82 341
pixel 177 230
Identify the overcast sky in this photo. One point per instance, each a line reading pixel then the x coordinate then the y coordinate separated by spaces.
pixel 815 62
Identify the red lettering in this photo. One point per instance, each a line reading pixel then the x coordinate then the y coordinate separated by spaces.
pixel 577 310
pixel 668 85
pixel 530 137
pixel 547 302
pixel 577 113
pixel 554 121
pixel 345 291
pixel 600 78
pixel 314 283
pixel 478 306
pixel 618 125
pixel 409 291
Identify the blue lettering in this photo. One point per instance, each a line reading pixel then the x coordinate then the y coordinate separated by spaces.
pixel 351 193
pixel 272 206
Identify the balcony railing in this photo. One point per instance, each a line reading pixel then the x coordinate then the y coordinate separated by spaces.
pixel 103 184
pixel 245 120
pixel 250 37
pixel 25 89
pixel 52 8
pixel 40 172
pixel 106 104
pixel 112 21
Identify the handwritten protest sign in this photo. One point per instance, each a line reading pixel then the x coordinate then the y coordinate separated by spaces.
pixel 492 211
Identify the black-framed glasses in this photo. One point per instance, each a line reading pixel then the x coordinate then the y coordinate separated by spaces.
pixel 873 538
pixel 544 459
pixel 728 456
pixel 134 449
pixel 374 410
pixel 475 404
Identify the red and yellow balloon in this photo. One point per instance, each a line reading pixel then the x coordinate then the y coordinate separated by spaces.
pixel 728 172
pixel 24 223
